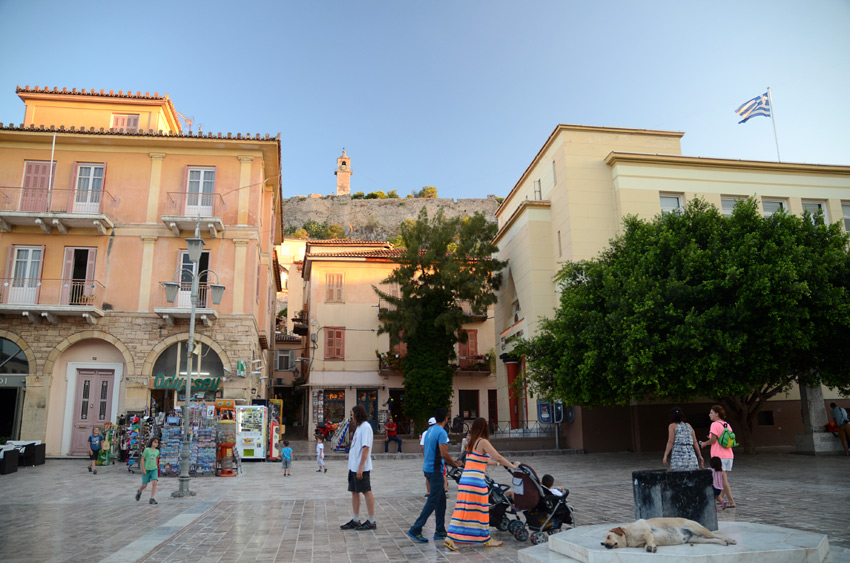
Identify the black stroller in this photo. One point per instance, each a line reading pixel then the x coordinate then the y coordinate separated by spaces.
pixel 503 515
pixel 545 512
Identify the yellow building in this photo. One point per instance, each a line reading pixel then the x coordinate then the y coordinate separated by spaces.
pixel 348 363
pixel 98 192
pixel 570 202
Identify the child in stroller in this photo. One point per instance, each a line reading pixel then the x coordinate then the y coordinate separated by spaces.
pixel 545 507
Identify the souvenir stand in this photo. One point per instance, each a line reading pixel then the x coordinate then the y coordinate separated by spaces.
pixel 202 443
pixel 226 460
pixel 107 453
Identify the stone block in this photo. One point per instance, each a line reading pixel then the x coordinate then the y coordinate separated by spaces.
pixel 681 494
pixel 818 443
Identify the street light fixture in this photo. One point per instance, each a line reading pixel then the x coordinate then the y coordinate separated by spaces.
pixel 196 247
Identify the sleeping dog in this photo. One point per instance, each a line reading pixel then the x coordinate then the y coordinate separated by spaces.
pixel 662 531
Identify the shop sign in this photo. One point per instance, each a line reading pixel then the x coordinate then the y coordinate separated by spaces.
pixel 174 382
pixel 13 380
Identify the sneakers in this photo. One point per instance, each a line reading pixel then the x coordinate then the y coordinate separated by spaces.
pixel 418 538
pixel 95 471
pixel 318 471
pixel 440 535
pixel 138 494
pixel 89 468
pixel 350 525
pixel 152 501
pixel 367 526
pixel 326 469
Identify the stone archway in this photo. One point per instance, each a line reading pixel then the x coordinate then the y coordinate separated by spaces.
pixel 22 344
pixel 130 365
pixel 147 366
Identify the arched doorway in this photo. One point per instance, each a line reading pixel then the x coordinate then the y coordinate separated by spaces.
pixel 14 367
pixel 171 363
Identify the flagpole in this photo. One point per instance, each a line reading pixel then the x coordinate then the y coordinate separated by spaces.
pixel 773 120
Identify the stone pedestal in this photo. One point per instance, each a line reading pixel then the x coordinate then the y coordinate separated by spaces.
pixel 814 440
pixel 680 494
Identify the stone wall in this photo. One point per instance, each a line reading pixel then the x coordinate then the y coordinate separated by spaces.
pixel 377 219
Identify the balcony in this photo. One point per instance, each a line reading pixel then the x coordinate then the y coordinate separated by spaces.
pixel 62 209
pixel 182 306
pixel 473 365
pixel 185 209
pixel 49 299
pixel 299 323
pixel 472 317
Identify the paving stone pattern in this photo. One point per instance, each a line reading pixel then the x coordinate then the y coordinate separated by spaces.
pixel 60 512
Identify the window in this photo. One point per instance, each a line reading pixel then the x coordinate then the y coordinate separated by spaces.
pixel 538 190
pixel 560 251
pixel 285 360
pixel 467 352
pixel 89 186
pixel 127 121
pixel 24 268
pixel 727 205
pixel 333 291
pixel 172 361
pixel 815 207
pixel 399 347
pixel 765 418
pixel 845 210
pixel 554 176
pixel 771 206
pixel 670 204
pixel 334 343
pixel 200 186
pixel 38 179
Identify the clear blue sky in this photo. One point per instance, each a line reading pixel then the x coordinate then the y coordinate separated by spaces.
pixel 455 94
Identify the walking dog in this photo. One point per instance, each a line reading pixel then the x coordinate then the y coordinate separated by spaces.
pixel 662 531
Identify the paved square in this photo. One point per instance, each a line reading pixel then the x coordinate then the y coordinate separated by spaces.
pixel 60 512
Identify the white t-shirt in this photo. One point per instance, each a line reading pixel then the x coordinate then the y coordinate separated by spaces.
pixel 362 439
pixel 320 450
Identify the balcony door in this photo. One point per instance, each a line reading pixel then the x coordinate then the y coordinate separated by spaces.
pixel 78 276
pixel 89 188
pixel 466 351
pixel 200 185
pixel 35 195
pixel 25 264
pixel 184 296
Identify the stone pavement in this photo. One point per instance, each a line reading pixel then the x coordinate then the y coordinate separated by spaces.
pixel 60 512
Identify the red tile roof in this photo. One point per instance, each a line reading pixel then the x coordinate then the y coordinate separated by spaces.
pixel 139 133
pixel 92 92
pixel 380 253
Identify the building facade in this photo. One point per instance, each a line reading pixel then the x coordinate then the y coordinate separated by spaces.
pixel 346 362
pixel 98 192
pixel 570 202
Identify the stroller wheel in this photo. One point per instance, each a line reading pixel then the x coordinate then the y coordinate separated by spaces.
pixel 521 534
pixel 503 524
pixel 539 537
pixel 514 526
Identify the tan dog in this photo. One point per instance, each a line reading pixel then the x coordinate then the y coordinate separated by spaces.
pixel 662 531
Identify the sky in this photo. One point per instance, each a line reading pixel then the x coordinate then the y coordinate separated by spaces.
pixel 456 94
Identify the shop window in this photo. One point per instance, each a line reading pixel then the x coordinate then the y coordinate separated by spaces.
pixel 335 405
pixel 12 358
pixel 204 365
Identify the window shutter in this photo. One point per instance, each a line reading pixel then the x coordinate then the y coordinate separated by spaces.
pixel 340 343
pixel 10 264
pixel 329 343
pixel 472 343
pixel 90 262
pixel 339 298
pixel 133 122
pixel 329 288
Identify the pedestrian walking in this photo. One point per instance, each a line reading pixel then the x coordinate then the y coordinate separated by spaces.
pixel 436 450
pixel 95 441
pixel 150 465
pixel 359 472
pixel 470 522
pixel 320 454
pixel 682 444
pixel 286 455
pixel 839 416
pixel 717 414
pixel 392 435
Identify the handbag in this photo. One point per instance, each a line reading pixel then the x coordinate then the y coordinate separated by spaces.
pixel 727 438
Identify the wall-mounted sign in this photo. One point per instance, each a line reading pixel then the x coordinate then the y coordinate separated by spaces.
pixel 13 380
pixel 174 382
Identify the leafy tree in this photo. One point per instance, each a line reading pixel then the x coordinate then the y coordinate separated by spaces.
pixel 376 195
pixel 301 234
pixel 357 195
pixel 425 192
pixel 694 305
pixel 335 231
pixel 392 194
pixel 443 262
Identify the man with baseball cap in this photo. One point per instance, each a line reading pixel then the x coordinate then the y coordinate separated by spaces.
pixel 436 449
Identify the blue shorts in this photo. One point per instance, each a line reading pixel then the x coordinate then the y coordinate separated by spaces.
pixel 150 475
pixel 287 463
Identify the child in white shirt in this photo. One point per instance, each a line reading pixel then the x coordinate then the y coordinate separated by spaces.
pixel 320 454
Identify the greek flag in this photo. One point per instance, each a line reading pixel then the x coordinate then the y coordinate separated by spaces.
pixel 760 105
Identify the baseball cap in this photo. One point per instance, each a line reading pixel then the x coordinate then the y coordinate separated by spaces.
pixel 432 421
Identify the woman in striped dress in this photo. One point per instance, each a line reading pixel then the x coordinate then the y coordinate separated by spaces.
pixel 470 523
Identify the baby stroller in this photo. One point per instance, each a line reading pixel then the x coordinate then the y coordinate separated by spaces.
pixel 545 512
pixel 503 515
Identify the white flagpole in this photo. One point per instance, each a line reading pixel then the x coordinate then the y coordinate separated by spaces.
pixel 773 120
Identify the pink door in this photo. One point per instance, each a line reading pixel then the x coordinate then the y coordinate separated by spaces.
pixel 36 189
pixel 92 406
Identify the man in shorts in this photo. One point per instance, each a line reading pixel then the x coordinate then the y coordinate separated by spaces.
pixel 359 469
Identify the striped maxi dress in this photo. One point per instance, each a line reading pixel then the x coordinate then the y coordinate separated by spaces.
pixel 470 523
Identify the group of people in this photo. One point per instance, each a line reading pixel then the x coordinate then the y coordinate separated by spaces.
pixel 684 451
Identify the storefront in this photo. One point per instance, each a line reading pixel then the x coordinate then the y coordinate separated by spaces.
pixel 14 368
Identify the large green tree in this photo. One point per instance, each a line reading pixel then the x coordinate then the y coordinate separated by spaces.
pixel 443 263
pixel 692 305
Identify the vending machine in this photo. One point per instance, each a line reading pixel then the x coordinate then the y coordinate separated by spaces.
pixel 274 441
pixel 251 431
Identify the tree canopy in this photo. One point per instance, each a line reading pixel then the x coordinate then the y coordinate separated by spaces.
pixel 694 305
pixel 444 262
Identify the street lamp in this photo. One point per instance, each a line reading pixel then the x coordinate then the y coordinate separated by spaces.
pixel 196 247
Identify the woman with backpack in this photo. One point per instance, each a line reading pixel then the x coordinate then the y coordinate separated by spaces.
pixel 717 414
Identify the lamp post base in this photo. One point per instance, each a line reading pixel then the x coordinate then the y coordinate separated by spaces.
pixel 183 491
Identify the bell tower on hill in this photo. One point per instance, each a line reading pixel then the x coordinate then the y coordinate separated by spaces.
pixel 343 174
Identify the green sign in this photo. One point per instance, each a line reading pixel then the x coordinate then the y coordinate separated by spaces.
pixel 174 382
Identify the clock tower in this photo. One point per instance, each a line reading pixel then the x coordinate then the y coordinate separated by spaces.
pixel 343 174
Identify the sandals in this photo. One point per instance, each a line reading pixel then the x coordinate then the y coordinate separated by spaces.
pixel 729 505
pixel 450 544
pixel 493 543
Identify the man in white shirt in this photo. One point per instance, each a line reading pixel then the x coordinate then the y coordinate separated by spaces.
pixel 359 469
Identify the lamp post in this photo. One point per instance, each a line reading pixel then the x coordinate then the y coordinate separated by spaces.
pixel 196 247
